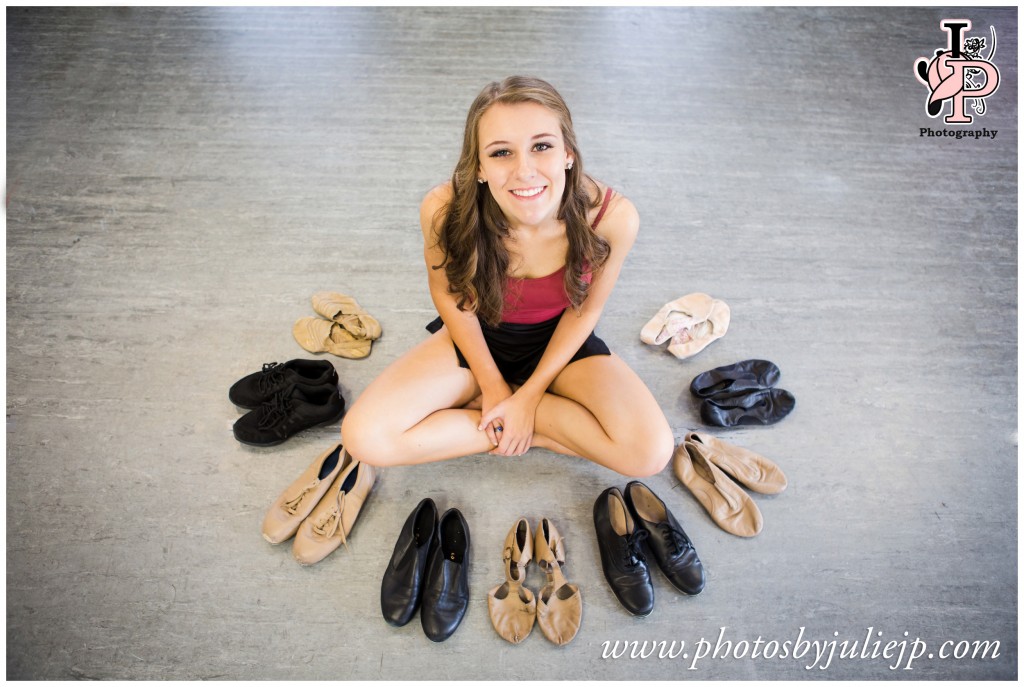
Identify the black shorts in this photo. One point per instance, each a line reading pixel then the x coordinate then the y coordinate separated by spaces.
pixel 517 348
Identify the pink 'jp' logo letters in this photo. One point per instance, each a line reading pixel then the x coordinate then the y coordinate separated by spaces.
pixel 955 74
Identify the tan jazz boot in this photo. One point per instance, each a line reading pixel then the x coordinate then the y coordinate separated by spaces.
pixel 560 603
pixel 511 605
pixel 753 471
pixel 330 523
pixel 300 498
pixel 729 506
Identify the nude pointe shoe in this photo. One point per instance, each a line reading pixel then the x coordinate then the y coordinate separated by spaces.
pixel 512 606
pixel 559 603
pixel 729 506
pixel 753 471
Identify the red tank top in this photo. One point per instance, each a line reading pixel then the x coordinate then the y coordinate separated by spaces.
pixel 529 301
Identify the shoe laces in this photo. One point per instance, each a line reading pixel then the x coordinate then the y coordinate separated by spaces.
pixel 674 537
pixel 270 377
pixel 328 526
pixel 292 505
pixel 633 552
pixel 274 411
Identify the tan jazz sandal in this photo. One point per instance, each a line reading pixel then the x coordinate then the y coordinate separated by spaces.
pixel 346 311
pixel 559 603
pixel 512 606
pixel 750 469
pixel 318 335
pixel 728 505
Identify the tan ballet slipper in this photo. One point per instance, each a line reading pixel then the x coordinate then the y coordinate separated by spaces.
pixel 559 603
pixel 694 339
pixel 317 335
pixel 680 314
pixel 346 311
pixel 729 506
pixel 511 606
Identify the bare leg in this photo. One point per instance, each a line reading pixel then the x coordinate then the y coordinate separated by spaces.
pixel 412 412
pixel 542 441
pixel 415 412
pixel 600 409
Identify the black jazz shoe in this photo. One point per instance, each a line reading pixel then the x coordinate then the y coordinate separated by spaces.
pixel 759 407
pixel 446 587
pixel 746 375
pixel 402 585
pixel 288 412
pixel 666 539
pixel 622 558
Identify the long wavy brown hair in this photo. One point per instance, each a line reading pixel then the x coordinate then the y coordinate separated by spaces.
pixel 471 234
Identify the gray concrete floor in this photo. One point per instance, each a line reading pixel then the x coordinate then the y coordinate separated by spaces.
pixel 180 181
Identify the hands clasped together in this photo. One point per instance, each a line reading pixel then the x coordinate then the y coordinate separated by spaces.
pixel 508 419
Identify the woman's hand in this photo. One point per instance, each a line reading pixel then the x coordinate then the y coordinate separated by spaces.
pixel 490 397
pixel 514 418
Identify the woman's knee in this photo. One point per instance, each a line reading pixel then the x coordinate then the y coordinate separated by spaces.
pixel 367 440
pixel 650 454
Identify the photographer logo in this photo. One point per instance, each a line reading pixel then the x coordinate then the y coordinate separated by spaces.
pixel 959 75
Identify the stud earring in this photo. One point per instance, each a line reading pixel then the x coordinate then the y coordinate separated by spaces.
pixel 569 166
pixel 481 181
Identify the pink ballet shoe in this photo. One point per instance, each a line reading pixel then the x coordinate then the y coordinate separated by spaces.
pixel 688 323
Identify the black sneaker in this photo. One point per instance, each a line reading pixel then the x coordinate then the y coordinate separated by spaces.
pixel 254 389
pixel 288 412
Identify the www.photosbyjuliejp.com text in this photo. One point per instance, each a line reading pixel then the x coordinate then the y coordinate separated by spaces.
pixel 898 653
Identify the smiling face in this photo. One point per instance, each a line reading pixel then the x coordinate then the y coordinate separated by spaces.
pixel 523 159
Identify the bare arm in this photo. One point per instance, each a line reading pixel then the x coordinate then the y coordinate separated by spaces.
pixel 464 327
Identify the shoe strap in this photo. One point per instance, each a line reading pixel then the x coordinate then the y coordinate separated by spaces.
pixel 556 578
pixel 506 558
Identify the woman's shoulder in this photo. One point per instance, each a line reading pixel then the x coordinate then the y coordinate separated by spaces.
pixel 617 213
pixel 437 197
pixel 433 205
pixel 442 193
